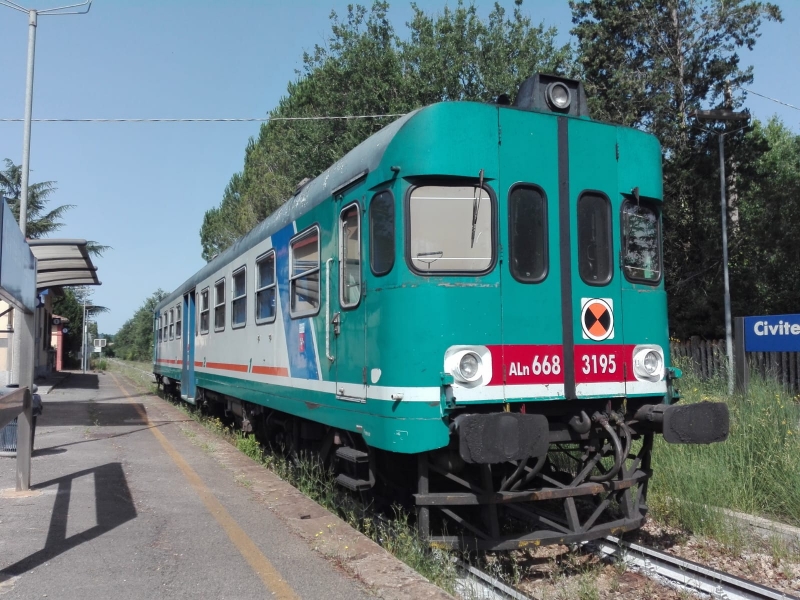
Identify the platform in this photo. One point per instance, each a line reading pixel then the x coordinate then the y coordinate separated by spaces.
pixel 132 499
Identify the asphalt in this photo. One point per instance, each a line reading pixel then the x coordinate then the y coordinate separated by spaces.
pixel 131 499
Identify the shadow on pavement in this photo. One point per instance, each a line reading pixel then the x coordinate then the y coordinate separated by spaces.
pixel 61 447
pixel 91 412
pixel 114 506
pixel 81 381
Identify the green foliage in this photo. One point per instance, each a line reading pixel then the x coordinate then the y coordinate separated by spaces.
pixel 70 305
pixel 40 221
pixel 650 64
pixel 365 69
pixel 134 340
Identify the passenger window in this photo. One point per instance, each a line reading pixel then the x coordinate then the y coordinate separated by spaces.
pixel 527 233
pixel 166 326
pixel 172 323
pixel 350 256
pixel 160 337
pixel 381 233
pixel 641 243
pixel 219 305
pixel 451 229
pixel 594 239
pixel 178 322
pixel 304 275
pixel 265 288
pixel 204 311
pixel 239 301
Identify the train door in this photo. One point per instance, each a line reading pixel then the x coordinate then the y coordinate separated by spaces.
pixel 530 270
pixel 187 345
pixel 350 320
pixel 590 175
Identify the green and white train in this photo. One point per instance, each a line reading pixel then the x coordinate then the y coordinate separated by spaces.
pixel 466 313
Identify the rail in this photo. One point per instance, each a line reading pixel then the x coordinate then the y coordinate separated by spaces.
pixel 686 574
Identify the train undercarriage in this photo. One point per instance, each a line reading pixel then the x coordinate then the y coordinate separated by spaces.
pixel 508 479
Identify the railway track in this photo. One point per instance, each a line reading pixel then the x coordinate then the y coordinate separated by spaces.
pixel 680 573
pixel 671 571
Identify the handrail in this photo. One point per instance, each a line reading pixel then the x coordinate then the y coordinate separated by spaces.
pixel 328 310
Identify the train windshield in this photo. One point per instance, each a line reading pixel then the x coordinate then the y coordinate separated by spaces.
pixel 641 259
pixel 450 229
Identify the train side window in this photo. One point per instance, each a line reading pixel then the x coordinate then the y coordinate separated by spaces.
pixel 451 229
pixel 219 305
pixel 527 233
pixel 160 321
pixel 381 233
pixel 265 288
pixel 178 322
pixel 166 326
pixel 239 299
pixel 350 256
pixel 641 243
pixel 204 311
pixel 594 238
pixel 172 323
pixel 304 273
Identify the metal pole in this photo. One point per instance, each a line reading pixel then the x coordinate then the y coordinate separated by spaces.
pixel 83 339
pixel 26 139
pixel 724 203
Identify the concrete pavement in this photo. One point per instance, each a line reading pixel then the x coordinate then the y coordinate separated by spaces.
pixel 131 499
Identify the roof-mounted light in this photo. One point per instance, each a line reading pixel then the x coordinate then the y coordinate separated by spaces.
pixel 558 96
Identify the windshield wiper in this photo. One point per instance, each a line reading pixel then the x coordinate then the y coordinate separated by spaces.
pixel 476 206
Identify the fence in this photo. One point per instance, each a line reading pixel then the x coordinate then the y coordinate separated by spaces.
pixel 707 359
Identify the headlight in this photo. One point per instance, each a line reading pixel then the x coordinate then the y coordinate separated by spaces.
pixel 558 96
pixel 469 367
pixel 652 363
pixel 648 363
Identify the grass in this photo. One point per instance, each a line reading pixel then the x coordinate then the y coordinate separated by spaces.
pixel 756 471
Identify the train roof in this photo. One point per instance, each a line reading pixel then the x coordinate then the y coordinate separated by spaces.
pixel 360 161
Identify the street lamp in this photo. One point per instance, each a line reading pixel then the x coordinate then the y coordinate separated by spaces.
pixel 725 115
pixel 33 17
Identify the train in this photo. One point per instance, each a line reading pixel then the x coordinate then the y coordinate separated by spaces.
pixel 465 314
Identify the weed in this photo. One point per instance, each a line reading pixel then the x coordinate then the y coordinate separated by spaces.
pixel 243 481
pixel 756 471
pixel 587 587
pixel 249 446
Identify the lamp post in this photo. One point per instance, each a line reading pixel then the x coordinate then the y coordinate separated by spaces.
pixel 33 18
pixel 724 115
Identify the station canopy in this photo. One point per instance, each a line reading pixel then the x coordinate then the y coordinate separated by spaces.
pixel 63 263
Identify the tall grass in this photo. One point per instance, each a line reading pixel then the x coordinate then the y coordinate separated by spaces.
pixel 756 471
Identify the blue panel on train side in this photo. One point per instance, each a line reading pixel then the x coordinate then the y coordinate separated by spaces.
pixel 301 363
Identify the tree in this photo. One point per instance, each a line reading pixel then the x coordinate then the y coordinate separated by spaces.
pixel 364 69
pixel 134 340
pixel 650 64
pixel 40 222
pixel 70 305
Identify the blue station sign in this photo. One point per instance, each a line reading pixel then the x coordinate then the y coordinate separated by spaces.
pixel 775 333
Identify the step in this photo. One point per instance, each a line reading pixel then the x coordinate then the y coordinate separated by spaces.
pixel 357 485
pixel 352 455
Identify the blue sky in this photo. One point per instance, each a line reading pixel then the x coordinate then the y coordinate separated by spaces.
pixel 143 187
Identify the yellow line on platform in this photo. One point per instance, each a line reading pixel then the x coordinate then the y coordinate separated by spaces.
pixel 258 562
